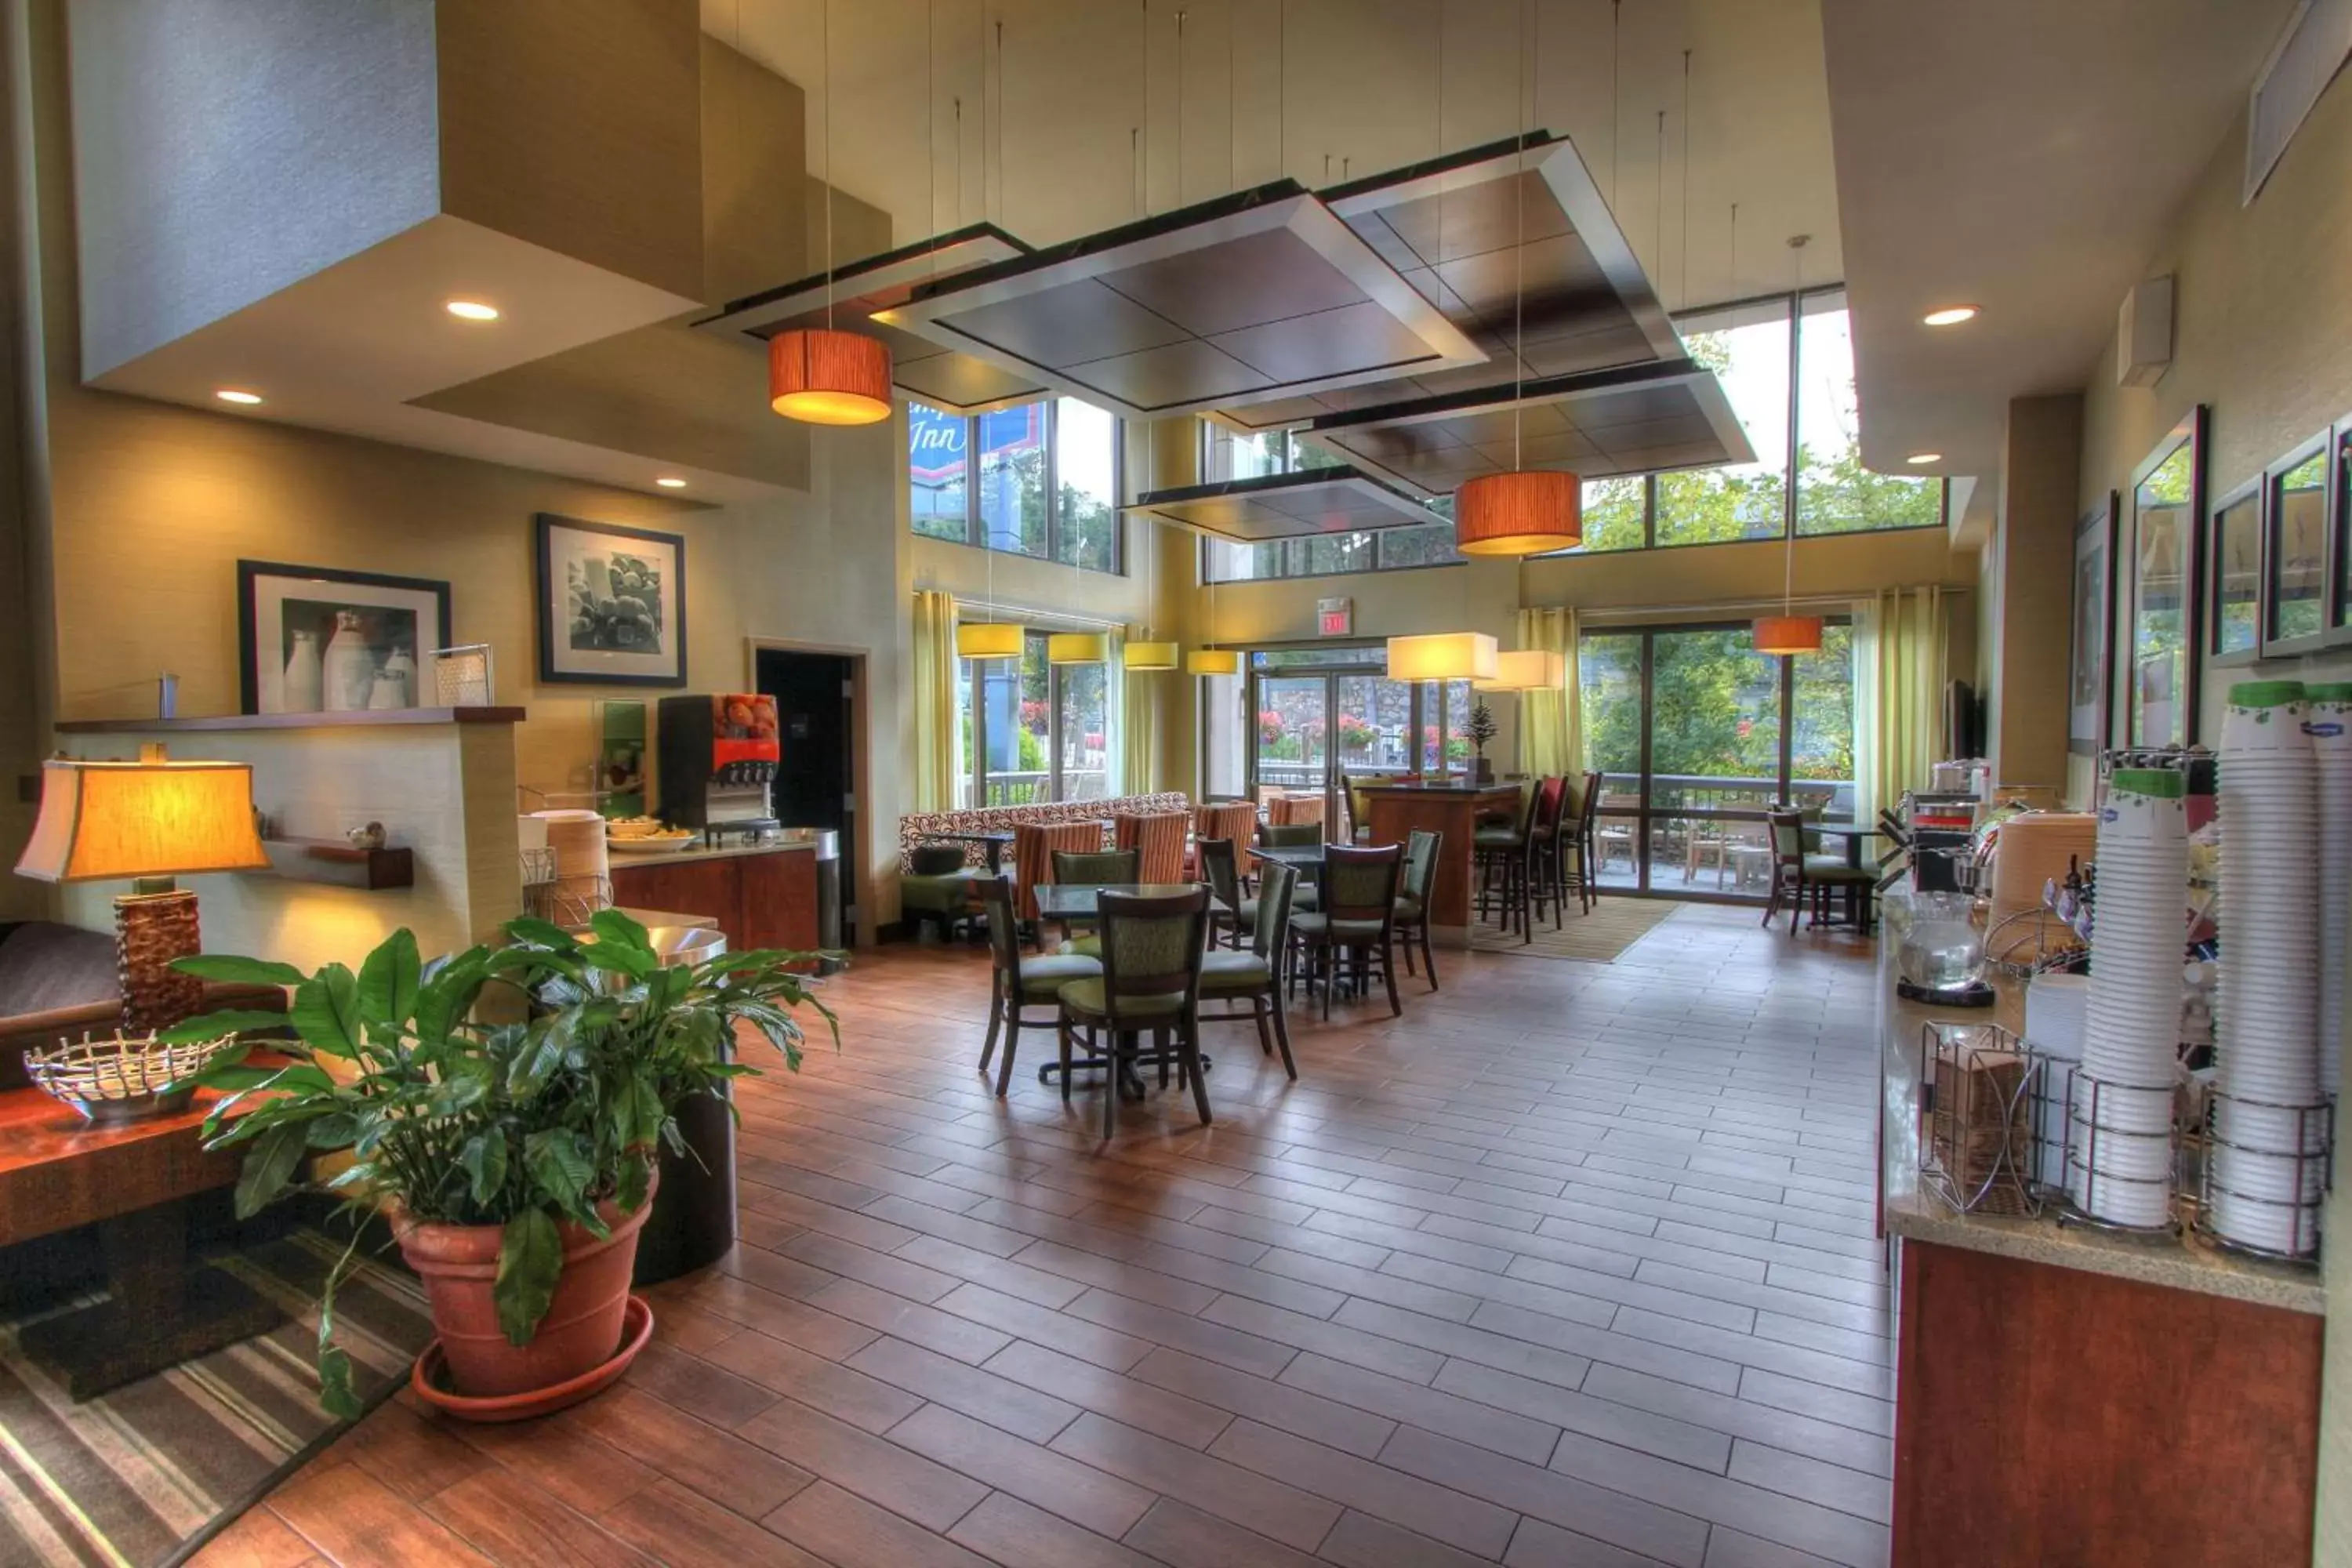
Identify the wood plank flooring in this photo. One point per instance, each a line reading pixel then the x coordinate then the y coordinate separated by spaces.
pixel 1573 1264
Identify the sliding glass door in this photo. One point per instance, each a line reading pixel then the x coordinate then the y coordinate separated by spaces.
pixel 1318 717
pixel 1695 735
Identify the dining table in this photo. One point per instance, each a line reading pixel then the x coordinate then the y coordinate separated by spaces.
pixel 1858 901
pixel 1077 903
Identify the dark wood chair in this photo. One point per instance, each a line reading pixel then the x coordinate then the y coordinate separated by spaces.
pixel 1153 947
pixel 1357 922
pixel 1232 916
pixel 1579 871
pixel 1098 868
pixel 1255 975
pixel 1800 876
pixel 1413 890
pixel 1017 980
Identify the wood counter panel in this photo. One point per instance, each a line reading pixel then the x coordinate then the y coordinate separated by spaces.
pixel 759 900
pixel 1396 811
pixel 2056 1418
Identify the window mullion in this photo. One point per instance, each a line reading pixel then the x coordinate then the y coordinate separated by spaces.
pixel 971 532
pixel 1051 422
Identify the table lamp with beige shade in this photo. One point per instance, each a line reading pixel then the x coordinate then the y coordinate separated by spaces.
pixel 150 820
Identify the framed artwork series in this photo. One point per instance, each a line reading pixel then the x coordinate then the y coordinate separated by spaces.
pixel 612 604
pixel 2091 668
pixel 2161 635
pixel 313 639
pixel 2233 611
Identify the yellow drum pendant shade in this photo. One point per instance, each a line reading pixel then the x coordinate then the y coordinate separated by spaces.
pixel 1526 512
pixel 1151 655
pixel 824 377
pixel 1788 634
pixel 1214 661
pixel 1526 669
pixel 989 639
pixel 1443 655
pixel 1076 647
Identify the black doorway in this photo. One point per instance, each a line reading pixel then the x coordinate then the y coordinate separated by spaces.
pixel 817 782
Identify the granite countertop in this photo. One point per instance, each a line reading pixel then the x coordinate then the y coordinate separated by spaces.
pixel 1918 1214
pixel 620 860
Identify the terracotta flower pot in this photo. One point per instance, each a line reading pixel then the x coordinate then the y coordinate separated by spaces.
pixel 459 1264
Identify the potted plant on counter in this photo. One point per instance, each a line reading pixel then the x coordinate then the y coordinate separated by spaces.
pixel 502 1108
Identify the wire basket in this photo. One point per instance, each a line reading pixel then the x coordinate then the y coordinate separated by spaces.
pixel 125 1078
pixel 464 676
pixel 2308 1152
pixel 1978 1155
pixel 569 902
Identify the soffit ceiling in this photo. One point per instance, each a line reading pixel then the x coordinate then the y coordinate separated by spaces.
pixel 1285 506
pixel 1634 420
pixel 2024 157
pixel 1517 249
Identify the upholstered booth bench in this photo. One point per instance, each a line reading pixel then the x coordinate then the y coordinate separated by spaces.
pixel 945 897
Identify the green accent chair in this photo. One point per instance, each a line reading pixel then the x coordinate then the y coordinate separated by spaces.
pixel 1414 890
pixel 1098 868
pixel 1254 974
pixel 1018 981
pixel 1801 873
pixel 1153 946
pixel 1357 922
pixel 937 887
pixel 1230 916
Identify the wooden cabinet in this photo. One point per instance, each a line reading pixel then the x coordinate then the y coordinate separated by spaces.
pixel 2064 1419
pixel 759 900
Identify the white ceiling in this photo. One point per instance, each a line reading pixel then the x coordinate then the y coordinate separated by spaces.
pixel 1050 139
pixel 2021 155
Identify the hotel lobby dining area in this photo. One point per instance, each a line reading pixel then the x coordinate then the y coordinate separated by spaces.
pixel 1202 784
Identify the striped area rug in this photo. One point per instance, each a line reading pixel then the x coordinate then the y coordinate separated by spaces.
pixel 142 1475
pixel 1613 925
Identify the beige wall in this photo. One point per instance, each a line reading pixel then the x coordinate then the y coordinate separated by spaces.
pixel 2263 335
pixel 2035 529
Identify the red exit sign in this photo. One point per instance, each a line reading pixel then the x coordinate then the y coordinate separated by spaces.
pixel 1335 618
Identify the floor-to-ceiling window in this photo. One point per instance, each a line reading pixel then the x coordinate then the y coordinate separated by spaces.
pixel 1033 730
pixel 1695 735
pixel 1316 718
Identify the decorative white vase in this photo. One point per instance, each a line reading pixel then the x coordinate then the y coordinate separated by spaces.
pixel 347 669
pixel 401 670
pixel 300 691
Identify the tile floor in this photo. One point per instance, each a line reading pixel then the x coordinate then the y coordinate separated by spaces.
pixel 1571 1264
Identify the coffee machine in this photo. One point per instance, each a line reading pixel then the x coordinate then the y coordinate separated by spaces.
pixel 717 756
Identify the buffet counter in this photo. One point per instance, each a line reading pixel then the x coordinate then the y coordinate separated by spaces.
pixel 2052 1378
pixel 761 895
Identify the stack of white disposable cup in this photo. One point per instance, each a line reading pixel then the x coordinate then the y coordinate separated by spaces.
pixel 2120 1160
pixel 2266 1173
pixel 2329 726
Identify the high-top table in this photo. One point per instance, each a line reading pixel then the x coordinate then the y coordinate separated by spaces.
pixel 1451 810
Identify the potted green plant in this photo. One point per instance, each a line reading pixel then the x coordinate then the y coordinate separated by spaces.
pixel 503 1108
pixel 1481 730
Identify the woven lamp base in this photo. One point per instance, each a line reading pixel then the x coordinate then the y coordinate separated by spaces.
pixel 151 930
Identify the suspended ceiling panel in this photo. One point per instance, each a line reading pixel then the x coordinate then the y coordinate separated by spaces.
pixel 1254 296
pixel 921 368
pixel 1285 506
pixel 1626 421
pixel 1519 251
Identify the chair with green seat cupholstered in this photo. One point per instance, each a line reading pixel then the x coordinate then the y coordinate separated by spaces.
pixel 1094 869
pixel 1414 890
pixel 1153 948
pixel 1018 981
pixel 1254 975
pixel 1357 922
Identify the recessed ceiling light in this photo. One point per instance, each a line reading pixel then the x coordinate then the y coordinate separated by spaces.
pixel 233 394
pixel 1950 316
pixel 1925 457
pixel 472 310
pixel 670 482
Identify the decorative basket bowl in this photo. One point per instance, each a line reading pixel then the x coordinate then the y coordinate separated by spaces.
pixel 125 1078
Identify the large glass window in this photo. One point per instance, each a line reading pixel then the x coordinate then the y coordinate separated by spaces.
pixel 1318 717
pixel 1695 735
pixel 1836 494
pixel 1747 349
pixel 1765 364
pixel 1033 730
pixel 1225 455
pixel 1042 479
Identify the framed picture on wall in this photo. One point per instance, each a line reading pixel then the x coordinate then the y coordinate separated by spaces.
pixel 2297 550
pixel 2339 532
pixel 2168 504
pixel 2233 577
pixel 313 639
pixel 612 604
pixel 2090 671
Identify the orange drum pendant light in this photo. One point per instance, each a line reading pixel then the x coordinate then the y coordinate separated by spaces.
pixel 1524 511
pixel 1787 631
pixel 816 375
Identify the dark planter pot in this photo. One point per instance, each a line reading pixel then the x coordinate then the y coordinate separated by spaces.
pixel 693 1219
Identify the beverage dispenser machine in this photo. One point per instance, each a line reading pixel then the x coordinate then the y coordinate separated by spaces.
pixel 717 756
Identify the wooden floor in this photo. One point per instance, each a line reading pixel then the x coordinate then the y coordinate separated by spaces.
pixel 1573 1264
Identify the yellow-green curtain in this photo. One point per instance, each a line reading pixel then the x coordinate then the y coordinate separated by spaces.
pixel 1139 734
pixel 1551 725
pixel 1906 698
pixel 934 701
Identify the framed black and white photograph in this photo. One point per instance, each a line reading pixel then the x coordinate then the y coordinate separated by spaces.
pixel 2089 677
pixel 313 639
pixel 612 604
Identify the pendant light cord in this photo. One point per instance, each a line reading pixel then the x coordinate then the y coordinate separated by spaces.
pixel 1519 245
pixel 824 32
